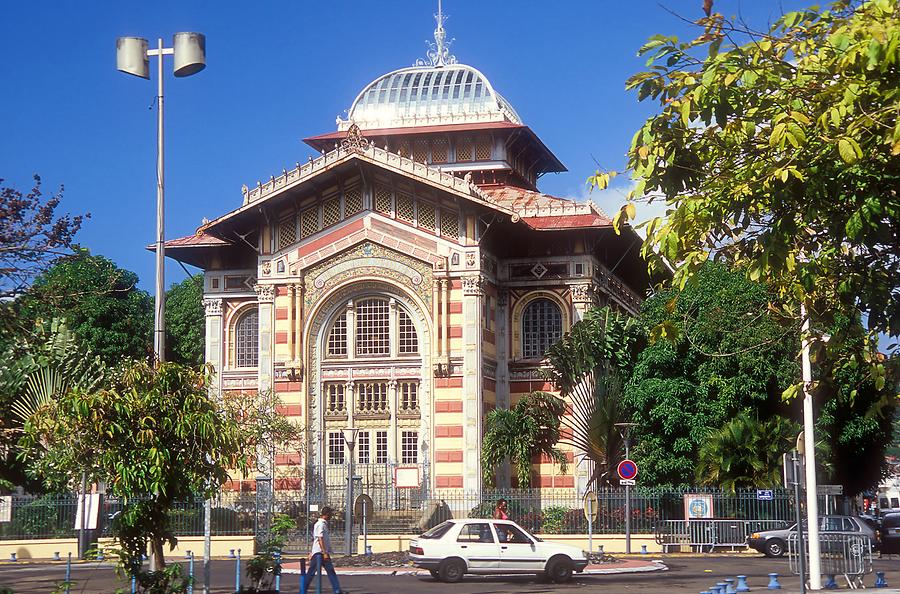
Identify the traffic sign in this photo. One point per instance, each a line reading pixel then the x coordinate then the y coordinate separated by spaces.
pixel 627 482
pixel 591 505
pixel 627 470
pixel 765 494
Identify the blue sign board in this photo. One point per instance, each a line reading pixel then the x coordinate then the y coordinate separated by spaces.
pixel 765 494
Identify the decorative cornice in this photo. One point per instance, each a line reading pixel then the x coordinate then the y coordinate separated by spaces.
pixel 473 285
pixel 355 141
pixel 213 307
pixel 583 293
pixel 265 293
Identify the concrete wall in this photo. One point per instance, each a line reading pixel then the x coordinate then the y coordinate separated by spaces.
pixel 45 548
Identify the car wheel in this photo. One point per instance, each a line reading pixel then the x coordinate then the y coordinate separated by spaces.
pixel 434 573
pixel 559 569
pixel 774 548
pixel 452 570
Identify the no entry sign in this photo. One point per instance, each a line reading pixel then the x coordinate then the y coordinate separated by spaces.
pixel 627 470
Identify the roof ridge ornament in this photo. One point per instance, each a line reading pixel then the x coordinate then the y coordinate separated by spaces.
pixel 355 141
pixel 438 52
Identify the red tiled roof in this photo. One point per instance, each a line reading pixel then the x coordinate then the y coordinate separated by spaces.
pixel 545 212
pixel 196 240
pixel 579 221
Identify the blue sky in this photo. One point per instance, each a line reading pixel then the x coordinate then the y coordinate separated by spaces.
pixel 280 71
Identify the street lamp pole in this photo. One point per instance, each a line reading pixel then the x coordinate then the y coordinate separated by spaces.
pixel 132 57
pixel 350 440
pixel 812 491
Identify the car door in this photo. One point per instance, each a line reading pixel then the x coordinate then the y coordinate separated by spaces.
pixel 518 551
pixel 478 546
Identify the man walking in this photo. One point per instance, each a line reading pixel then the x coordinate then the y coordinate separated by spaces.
pixel 320 555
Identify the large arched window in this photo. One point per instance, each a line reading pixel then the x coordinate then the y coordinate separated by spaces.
pixel 380 328
pixel 246 340
pixel 541 327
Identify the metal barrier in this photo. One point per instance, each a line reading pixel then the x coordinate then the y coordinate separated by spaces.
pixel 709 535
pixel 849 555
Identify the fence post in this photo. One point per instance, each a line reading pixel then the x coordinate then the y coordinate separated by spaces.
pixel 237 572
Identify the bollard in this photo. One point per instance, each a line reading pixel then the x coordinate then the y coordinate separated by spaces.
pixel 56 556
pixel 723 587
pixel 187 554
pixel 600 550
pixel 278 571
pixel 729 586
pixel 880 582
pixel 302 574
pixel 644 550
pixel 829 584
pixel 12 557
pixel 100 556
pixel 773 582
pixel 231 553
pixel 742 584
pixel 714 590
pixel 68 572
pixel 368 550
pixel 133 584
pixel 237 572
pixel 190 588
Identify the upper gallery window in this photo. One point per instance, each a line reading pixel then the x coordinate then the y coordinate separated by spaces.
pixel 246 340
pixel 379 329
pixel 541 327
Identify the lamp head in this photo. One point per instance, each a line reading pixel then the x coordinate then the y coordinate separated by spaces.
pixel 131 56
pixel 190 53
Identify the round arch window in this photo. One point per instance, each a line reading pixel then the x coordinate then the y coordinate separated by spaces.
pixel 541 327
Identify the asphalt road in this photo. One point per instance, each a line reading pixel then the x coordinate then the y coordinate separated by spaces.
pixel 685 574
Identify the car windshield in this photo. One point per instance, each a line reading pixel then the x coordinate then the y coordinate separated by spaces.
pixel 438 531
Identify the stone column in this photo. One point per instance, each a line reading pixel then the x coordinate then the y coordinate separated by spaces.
pixel 265 295
pixel 502 373
pixel 214 337
pixel 473 402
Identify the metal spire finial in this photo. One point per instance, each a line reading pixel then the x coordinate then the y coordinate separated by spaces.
pixel 439 51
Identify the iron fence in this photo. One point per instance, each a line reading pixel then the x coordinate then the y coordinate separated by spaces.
pixel 849 555
pixel 400 511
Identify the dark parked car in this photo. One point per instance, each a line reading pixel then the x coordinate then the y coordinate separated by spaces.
pixel 890 533
pixel 773 543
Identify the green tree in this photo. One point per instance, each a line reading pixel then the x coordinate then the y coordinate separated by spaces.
pixel 155 437
pixel 186 322
pixel 779 151
pixel 100 303
pixel 724 352
pixel 530 428
pixel 746 452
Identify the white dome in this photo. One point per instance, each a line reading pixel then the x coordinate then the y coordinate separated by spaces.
pixel 427 95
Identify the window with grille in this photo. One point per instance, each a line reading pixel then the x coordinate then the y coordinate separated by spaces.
pixel 309 222
pixel 246 340
pixel 335 447
pixel 287 232
pixel 405 208
pixel 381 447
pixel 420 151
pixel 449 224
pixel 335 402
pixel 337 338
pixel 372 397
pixel 426 217
pixel 331 212
pixel 483 148
pixel 363 448
pixel 439 149
pixel 464 149
pixel 353 202
pixel 409 447
pixel 372 327
pixel 409 341
pixel 383 199
pixel 408 396
pixel 403 149
pixel 541 327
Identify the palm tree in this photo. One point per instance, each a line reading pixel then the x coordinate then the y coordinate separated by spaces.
pixel 746 452
pixel 597 406
pixel 529 428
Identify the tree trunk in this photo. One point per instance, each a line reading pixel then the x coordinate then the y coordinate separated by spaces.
pixel 157 556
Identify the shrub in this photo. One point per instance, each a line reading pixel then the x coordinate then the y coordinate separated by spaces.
pixel 554 519
pixel 485 509
pixel 38 518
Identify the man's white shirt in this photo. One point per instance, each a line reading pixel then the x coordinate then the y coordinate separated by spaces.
pixel 321 530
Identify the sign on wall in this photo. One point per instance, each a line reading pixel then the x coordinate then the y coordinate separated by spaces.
pixel 698 506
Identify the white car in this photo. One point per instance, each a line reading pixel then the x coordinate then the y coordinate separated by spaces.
pixel 457 547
